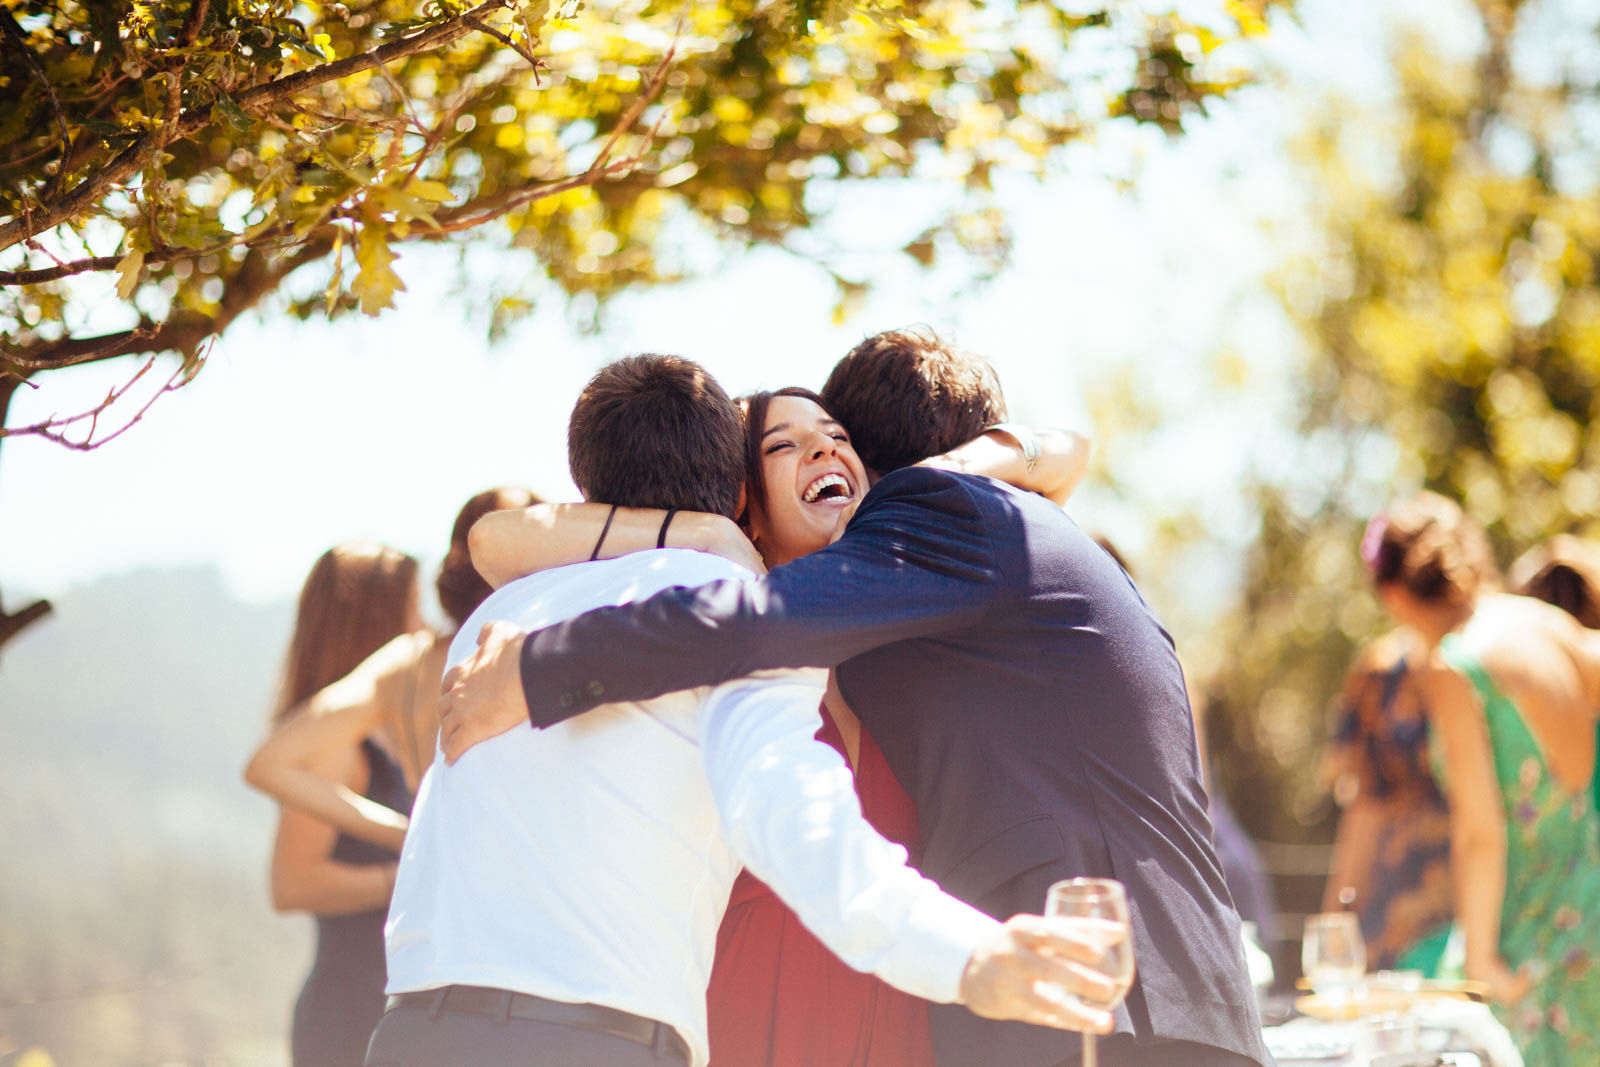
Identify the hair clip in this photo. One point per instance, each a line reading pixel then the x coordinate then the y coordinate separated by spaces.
pixel 1372 541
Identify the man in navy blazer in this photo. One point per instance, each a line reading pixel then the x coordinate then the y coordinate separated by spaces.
pixel 1020 688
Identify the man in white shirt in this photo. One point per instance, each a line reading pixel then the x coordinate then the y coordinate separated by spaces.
pixel 560 890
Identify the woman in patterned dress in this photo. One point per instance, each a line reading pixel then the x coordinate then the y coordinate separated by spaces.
pixel 1512 686
pixel 1392 849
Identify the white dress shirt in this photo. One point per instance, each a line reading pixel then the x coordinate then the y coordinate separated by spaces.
pixel 592 861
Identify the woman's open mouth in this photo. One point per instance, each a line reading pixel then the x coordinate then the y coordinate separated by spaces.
pixel 830 488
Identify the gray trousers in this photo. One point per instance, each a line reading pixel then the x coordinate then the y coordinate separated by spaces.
pixel 413 1036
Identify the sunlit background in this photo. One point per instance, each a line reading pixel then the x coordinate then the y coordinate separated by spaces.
pixel 1371 269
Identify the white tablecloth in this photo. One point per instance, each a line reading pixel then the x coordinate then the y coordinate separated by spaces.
pixel 1444 1027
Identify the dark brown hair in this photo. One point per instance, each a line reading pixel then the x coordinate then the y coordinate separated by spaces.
pixel 356 599
pixel 905 395
pixel 652 431
pixel 1564 571
pixel 461 588
pixel 754 407
pixel 1431 548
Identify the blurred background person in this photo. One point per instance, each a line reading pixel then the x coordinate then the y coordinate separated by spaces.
pixel 1564 571
pixel 1391 853
pixel 344 759
pixel 356 600
pixel 1511 685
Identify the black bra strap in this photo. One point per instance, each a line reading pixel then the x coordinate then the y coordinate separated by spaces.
pixel 603 531
pixel 661 538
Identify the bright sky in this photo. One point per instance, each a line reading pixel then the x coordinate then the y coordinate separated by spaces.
pixel 296 436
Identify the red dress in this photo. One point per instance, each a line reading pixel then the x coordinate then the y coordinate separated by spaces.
pixel 779 998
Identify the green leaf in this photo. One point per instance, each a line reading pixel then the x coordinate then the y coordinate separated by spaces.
pixel 234 115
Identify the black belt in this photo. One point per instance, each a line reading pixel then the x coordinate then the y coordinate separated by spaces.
pixel 482 1000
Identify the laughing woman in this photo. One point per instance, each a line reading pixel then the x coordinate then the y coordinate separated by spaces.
pixel 778 997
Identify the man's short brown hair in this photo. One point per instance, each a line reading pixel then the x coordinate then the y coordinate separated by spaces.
pixel 652 431
pixel 905 395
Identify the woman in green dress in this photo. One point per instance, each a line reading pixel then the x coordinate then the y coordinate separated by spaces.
pixel 1512 687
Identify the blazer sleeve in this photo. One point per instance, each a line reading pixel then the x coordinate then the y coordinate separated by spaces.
pixel 916 560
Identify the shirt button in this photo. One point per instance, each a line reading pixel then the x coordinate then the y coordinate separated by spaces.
pixel 565 700
pixel 596 689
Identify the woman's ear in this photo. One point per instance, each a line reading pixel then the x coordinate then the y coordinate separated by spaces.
pixel 741 515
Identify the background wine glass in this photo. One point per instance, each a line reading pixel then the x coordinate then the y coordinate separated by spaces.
pixel 1103 899
pixel 1332 954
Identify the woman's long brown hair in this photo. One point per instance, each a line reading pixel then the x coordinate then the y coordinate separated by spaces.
pixel 461 588
pixel 1564 571
pixel 356 599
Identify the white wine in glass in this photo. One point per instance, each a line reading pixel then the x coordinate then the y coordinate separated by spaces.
pixel 1106 900
pixel 1333 955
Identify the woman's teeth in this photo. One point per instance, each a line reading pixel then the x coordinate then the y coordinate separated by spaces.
pixel 832 484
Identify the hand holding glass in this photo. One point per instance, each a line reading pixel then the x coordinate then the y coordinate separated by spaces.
pixel 1103 899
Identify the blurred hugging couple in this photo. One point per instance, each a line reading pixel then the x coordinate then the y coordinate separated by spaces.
pixel 628 724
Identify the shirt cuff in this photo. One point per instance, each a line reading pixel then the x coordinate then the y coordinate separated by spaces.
pixel 931 952
pixel 551 697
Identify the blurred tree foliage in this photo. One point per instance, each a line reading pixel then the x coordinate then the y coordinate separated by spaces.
pixel 201 151
pixel 1452 320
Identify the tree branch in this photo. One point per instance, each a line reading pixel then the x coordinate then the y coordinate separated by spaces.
pixel 257 276
pixel 484 27
pixel 132 158
pixel 476 212
pixel 450 220
pixel 13 623
pixel 13 33
pixel 55 427
pixel 435 36
pixel 193 21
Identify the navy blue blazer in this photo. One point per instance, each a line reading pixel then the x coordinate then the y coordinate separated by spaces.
pixel 1023 693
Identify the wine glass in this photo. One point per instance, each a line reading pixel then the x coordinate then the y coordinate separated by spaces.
pixel 1104 899
pixel 1332 954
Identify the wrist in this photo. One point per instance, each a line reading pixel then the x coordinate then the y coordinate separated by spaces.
pixel 1025 438
pixel 1481 968
pixel 697 530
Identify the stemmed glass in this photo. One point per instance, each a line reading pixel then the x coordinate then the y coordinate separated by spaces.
pixel 1332 954
pixel 1105 899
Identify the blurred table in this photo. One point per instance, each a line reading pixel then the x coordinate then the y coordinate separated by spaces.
pixel 1457 1032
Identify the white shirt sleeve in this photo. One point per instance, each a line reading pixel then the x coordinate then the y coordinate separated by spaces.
pixel 789 805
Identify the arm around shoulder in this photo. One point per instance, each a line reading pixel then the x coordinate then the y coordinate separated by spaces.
pixel 917 559
pixel 1048 462
pixel 511 544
